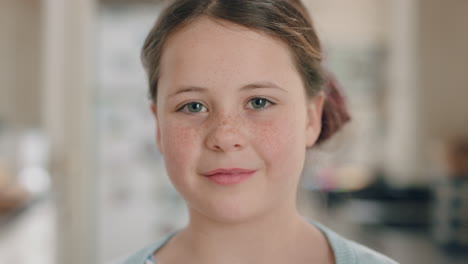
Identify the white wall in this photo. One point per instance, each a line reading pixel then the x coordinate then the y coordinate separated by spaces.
pixel 68 30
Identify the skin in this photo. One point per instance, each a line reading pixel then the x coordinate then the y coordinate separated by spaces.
pixel 236 223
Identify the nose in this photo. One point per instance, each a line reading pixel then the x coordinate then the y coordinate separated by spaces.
pixel 226 135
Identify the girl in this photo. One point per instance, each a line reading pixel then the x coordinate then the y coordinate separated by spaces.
pixel 237 91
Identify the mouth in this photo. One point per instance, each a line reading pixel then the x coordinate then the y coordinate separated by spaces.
pixel 229 176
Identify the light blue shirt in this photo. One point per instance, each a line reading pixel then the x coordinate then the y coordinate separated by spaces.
pixel 345 251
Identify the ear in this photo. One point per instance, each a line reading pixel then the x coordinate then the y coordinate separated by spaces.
pixel 314 118
pixel 158 131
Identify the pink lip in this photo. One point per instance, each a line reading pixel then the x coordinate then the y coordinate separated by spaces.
pixel 229 176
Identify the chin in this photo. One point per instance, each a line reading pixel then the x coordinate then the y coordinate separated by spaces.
pixel 229 212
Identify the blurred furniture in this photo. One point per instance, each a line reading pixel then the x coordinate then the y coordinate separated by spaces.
pixel 450 228
pixel 12 195
pixel 12 198
pixel 381 204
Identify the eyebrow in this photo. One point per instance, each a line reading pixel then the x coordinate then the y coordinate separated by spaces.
pixel 250 86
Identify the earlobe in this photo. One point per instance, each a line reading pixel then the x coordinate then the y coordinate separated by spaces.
pixel 314 118
pixel 158 132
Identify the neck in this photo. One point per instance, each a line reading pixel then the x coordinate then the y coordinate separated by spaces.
pixel 277 232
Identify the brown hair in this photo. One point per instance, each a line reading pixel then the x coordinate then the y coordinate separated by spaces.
pixel 286 20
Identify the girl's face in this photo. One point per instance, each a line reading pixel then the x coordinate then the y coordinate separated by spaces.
pixel 230 97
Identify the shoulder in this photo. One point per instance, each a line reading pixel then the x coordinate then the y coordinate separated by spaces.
pixel 350 252
pixel 366 255
pixel 140 256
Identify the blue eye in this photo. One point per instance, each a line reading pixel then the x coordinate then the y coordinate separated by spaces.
pixel 259 102
pixel 193 107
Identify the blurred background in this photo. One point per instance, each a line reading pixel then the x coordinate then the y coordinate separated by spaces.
pixel 81 180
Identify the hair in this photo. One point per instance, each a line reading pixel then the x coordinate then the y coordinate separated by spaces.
pixel 286 20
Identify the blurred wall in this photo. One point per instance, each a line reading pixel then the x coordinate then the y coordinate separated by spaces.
pixel 425 98
pixel 19 62
pixel 68 28
pixel 443 64
pixel 357 22
pixel 428 91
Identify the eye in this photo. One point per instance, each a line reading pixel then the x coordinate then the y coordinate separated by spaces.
pixel 259 102
pixel 193 107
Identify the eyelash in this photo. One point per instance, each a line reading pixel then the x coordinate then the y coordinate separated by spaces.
pixel 268 102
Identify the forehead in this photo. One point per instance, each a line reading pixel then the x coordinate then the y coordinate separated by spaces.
pixel 213 53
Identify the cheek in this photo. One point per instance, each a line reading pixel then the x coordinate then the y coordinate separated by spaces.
pixel 282 145
pixel 180 146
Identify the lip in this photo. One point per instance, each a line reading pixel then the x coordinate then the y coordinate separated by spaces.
pixel 232 171
pixel 229 176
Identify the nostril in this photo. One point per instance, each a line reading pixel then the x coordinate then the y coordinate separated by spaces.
pixel 224 138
